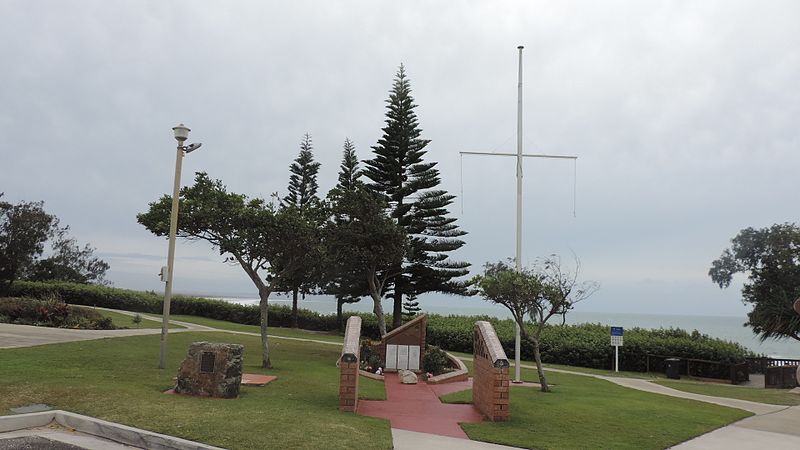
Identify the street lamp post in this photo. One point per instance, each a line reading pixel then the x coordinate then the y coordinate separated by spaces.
pixel 181 134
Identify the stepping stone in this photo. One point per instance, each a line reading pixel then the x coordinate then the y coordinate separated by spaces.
pixel 252 379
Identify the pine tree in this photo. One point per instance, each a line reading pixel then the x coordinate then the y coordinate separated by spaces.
pixel 349 173
pixel 347 287
pixel 408 184
pixel 303 196
pixel 303 181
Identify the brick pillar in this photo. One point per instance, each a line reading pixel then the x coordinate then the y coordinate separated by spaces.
pixel 490 383
pixel 348 364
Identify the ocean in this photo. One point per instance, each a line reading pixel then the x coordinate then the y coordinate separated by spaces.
pixel 724 327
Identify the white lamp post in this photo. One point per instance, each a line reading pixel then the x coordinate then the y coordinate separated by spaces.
pixel 181 134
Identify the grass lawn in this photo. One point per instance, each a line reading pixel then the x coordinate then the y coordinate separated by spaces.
pixel 124 321
pixel 535 378
pixel 585 412
pixel 117 380
pixel 761 395
pixel 273 331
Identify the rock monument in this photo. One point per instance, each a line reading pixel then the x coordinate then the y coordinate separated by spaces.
pixel 211 370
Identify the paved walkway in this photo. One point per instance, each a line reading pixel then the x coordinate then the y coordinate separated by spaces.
pixel 416 407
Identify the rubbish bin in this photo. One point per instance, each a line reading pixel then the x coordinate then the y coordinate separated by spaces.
pixel 672 366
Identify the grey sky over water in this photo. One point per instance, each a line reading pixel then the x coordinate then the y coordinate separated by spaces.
pixel 683 115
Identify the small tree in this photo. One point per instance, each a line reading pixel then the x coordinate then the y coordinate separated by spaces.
pixel 362 239
pixel 537 294
pixel 771 259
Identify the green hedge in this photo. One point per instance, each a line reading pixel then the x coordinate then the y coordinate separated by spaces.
pixel 585 345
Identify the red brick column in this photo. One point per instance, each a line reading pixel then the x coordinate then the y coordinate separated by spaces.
pixel 490 383
pixel 348 366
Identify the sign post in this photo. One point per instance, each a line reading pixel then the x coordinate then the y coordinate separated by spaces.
pixel 616 341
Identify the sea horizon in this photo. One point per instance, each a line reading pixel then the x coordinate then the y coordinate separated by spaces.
pixel 726 327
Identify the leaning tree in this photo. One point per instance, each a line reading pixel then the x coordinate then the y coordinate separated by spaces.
pixel 537 295
pixel 409 186
pixel 247 232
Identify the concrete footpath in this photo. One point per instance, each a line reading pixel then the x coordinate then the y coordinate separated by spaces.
pixel 773 427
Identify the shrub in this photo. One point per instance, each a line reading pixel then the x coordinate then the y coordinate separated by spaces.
pixel 585 345
pixel 51 312
pixel 435 360
pixel 370 357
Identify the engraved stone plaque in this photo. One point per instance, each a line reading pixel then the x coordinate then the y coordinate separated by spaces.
pixel 413 357
pixel 402 357
pixel 391 356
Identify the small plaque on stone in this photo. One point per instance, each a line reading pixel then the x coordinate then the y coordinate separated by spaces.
pixel 211 370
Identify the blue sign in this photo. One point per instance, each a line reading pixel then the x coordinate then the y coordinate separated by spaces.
pixel 616 331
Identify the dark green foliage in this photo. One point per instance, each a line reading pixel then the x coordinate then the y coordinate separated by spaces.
pixel 370 357
pixel 303 179
pixel 69 262
pixel 24 229
pixel 435 361
pixel 303 239
pixel 771 259
pixel 585 345
pixel 411 306
pixel 51 312
pixel 364 246
pixel 346 285
pixel 399 173
pixel 349 173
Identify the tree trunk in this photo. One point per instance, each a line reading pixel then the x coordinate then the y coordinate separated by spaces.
pixel 538 357
pixel 378 310
pixel 339 303
pixel 263 293
pixel 294 307
pixel 397 312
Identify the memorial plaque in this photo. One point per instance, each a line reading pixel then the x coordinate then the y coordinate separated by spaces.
pixel 402 357
pixel 391 356
pixel 207 362
pixel 413 357
pixel 211 370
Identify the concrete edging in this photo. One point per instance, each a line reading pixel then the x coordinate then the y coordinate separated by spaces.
pixel 108 430
pixel 460 374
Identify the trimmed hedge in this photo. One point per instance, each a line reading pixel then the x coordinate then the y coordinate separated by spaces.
pixel 585 345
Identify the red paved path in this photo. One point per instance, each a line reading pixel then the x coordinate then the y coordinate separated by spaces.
pixel 416 407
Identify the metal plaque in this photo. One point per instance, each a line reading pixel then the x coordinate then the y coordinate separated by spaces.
pixel 207 362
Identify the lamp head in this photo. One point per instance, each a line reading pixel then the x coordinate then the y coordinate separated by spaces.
pixel 192 147
pixel 181 132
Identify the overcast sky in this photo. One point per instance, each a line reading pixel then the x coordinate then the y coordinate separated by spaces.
pixel 684 116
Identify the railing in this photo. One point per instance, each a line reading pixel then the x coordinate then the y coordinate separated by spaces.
pixel 759 365
pixel 701 368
